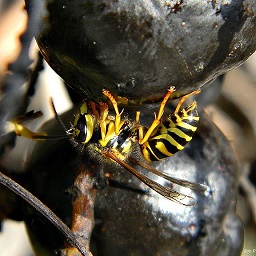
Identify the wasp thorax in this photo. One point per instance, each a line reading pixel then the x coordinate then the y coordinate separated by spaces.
pixel 123 141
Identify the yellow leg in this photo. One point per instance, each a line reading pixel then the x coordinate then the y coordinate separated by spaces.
pixel 158 117
pixel 22 131
pixel 114 103
pixel 184 98
pixel 15 125
pixel 137 120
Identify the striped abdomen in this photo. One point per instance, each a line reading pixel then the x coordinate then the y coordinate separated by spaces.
pixel 171 135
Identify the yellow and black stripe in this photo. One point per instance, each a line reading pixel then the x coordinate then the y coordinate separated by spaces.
pixel 171 135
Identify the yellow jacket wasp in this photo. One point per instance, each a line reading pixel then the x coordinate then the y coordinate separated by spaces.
pixel 96 131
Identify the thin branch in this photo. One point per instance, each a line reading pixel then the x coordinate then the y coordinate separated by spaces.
pixel 44 210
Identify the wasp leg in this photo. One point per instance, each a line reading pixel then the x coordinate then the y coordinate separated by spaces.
pixel 22 131
pixel 118 123
pixel 158 117
pixel 138 127
pixel 107 126
pixel 103 123
pixel 15 125
pixel 184 98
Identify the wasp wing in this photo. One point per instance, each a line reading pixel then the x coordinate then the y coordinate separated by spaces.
pixel 184 183
pixel 164 191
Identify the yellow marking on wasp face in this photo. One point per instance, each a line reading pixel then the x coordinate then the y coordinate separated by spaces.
pixel 84 119
pixel 84 108
pixel 90 127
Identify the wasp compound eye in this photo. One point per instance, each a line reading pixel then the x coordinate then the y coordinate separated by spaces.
pixel 84 125
pixel 81 129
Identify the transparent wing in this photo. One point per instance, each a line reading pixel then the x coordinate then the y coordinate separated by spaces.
pixel 164 191
pixel 184 183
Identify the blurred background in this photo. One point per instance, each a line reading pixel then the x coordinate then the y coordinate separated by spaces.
pixel 232 108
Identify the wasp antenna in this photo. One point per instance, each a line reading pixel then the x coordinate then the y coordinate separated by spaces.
pixel 44 210
pixel 48 137
pixel 57 117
